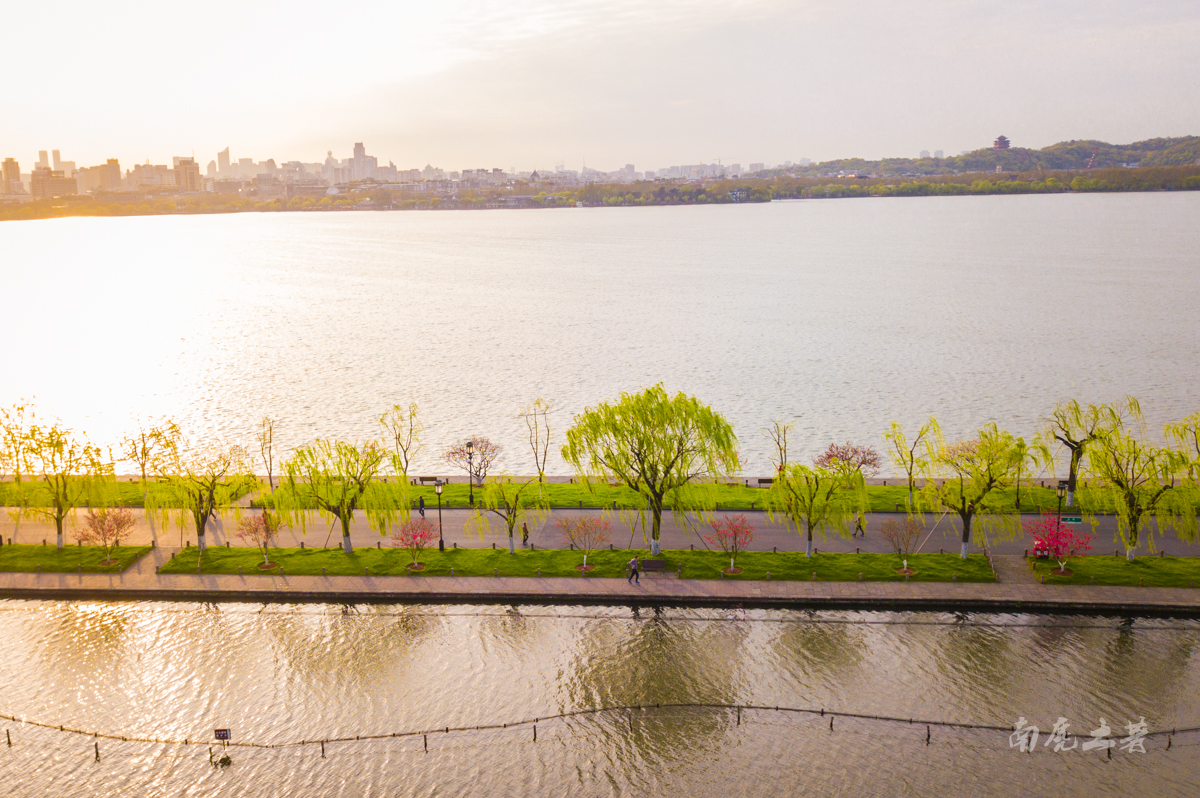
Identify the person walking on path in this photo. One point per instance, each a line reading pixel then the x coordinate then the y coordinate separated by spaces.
pixel 633 571
pixel 858 528
pixel 421 506
pixel 524 534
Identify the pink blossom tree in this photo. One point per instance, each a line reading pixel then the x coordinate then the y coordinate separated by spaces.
pixel 1059 540
pixel 259 529
pixel 414 535
pixel 733 533
pixel 586 533
pixel 862 458
pixel 104 527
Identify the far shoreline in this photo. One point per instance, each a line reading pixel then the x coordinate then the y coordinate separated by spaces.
pixel 656 193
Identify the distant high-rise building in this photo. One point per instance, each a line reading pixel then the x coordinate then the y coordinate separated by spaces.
pixel 211 171
pixel 187 175
pixel 57 161
pixel 804 162
pixel 756 167
pixel 46 183
pixel 10 177
pixel 43 159
pixel 106 177
pixel 938 154
pixel 223 162
pixel 735 169
pixel 924 153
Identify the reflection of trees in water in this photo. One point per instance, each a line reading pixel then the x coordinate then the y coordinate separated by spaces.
pixel 813 652
pixel 513 636
pixel 655 661
pixel 86 641
pixel 344 649
pixel 975 669
pixel 1143 671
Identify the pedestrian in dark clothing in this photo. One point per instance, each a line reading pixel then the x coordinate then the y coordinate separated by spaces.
pixel 421 506
pixel 524 534
pixel 858 528
pixel 633 571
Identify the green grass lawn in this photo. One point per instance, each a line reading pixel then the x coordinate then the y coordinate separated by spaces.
pixel 23 557
pixel 124 494
pixel 1155 571
pixel 557 562
pixel 881 498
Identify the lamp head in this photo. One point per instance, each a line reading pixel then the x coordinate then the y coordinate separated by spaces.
pixel 437 487
pixel 470 446
pixel 1062 488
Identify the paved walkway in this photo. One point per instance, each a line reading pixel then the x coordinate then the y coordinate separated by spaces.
pixel 141 582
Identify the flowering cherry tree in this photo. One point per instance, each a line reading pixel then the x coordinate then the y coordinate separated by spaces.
pixel 586 533
pixel 1058 539
pixel 863 458
pixel 260 530
pixel 733 534
pixel 104 527
pixel 414 535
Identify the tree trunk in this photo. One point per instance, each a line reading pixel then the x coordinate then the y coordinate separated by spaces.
pixel 200 542
pixel 654 547
pixel 809 551
pixel 58 529
pixel 1129 551
pixel 511 550
pixel 966 538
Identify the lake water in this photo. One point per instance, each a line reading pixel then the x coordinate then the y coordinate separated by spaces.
pixel 287 673
pixel 842 314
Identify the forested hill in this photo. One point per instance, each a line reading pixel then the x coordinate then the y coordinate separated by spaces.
pixel 1069 155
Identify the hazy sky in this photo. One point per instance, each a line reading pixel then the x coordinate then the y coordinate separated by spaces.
pixel 526 83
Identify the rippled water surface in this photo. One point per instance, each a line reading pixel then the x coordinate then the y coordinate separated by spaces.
pixel 289 673
pixel 844 314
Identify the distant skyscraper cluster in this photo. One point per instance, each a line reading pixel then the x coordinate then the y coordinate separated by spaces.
pixel 51 176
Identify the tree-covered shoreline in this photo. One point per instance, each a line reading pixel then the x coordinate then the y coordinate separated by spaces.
pixel 531 194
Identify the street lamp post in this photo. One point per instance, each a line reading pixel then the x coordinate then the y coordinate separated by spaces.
pixel 437 488
pixel 1062 489
pixel 471 472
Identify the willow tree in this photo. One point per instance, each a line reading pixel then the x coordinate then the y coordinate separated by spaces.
pixel 150 449
pixel 664 448
pixel 511 500
pixel 338 478
pixel 1076 427
pixel 966 475
pixel 537 420
pixel 15 427
pixel 266 448
pixel 912 457
pixel 816 497
pixel 201 482
pixel 778 433
pixel 73 471
pixel 1140 476
pixel 1028 457
pixel 402 429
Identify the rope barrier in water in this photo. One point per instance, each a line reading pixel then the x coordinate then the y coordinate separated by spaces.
pixel 739 708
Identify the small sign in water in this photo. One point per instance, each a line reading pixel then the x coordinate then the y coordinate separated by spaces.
pixel 223 734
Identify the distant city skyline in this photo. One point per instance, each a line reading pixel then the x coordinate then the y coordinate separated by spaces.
pixel 531 83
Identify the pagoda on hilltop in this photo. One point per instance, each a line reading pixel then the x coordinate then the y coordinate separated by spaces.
pixel 1001 143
